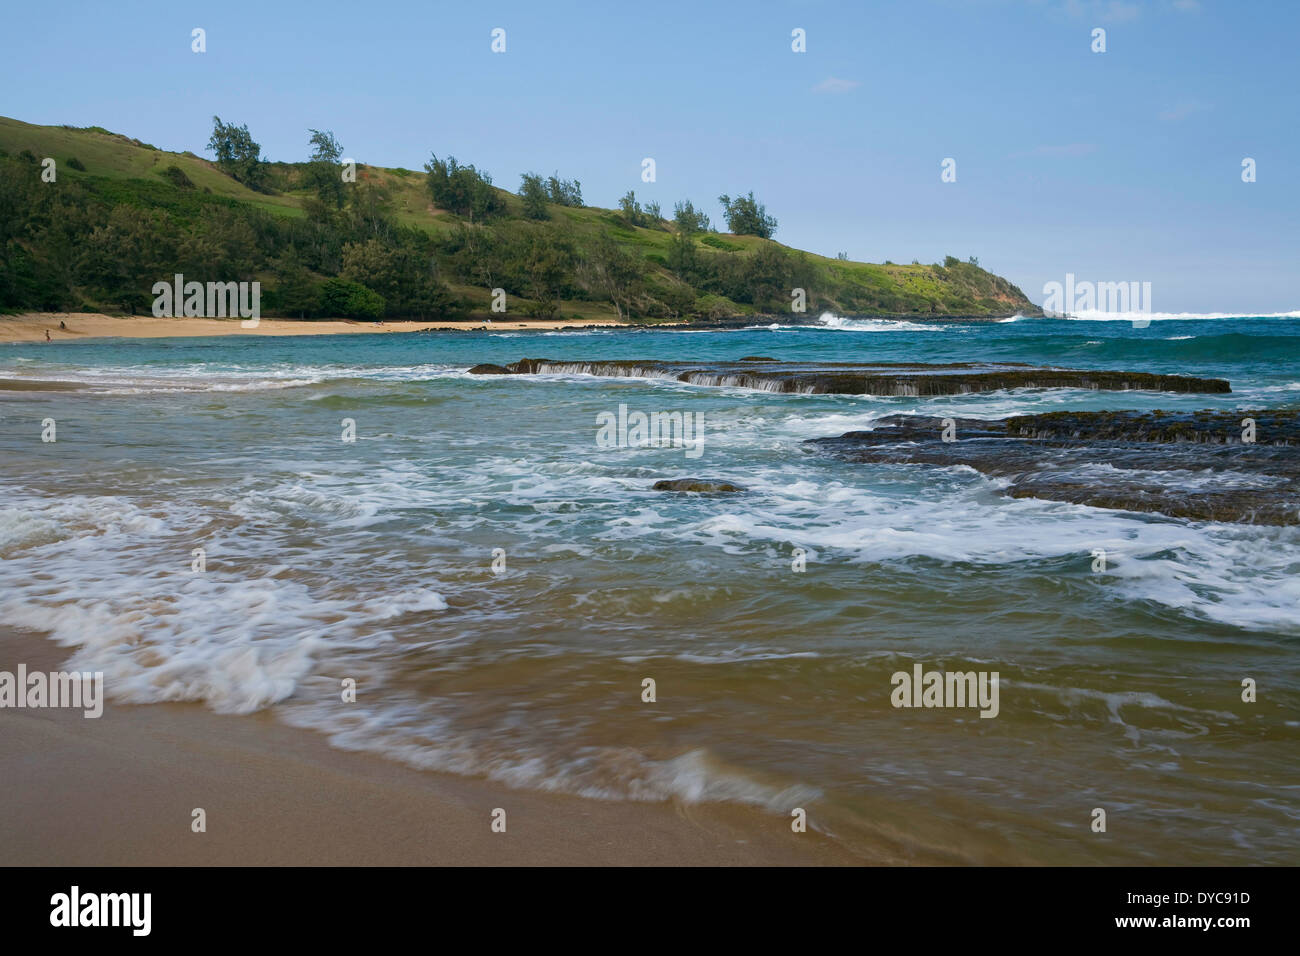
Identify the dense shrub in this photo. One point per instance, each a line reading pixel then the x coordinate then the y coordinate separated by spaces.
pixel 350 300
pixel 176 176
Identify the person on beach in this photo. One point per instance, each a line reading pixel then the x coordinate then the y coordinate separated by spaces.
pixel 47 335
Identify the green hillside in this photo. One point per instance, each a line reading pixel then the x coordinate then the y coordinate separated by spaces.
pixel 122 214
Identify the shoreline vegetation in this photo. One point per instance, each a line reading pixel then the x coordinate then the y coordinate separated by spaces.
pixel 91 221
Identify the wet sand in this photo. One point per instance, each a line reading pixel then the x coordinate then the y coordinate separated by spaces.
pixel 120 790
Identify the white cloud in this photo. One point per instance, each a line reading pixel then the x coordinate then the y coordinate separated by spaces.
pixel 833 84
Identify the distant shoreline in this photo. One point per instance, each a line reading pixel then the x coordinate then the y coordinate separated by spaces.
pixel 32 326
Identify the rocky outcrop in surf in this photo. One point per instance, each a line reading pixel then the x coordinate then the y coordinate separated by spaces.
pixel 699 485
pixel 1209 465
pixel 858 378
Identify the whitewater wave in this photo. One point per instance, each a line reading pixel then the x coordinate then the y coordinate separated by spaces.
pixel 841 323
pixel 137 380
pixel 238 635
pixel 1140 317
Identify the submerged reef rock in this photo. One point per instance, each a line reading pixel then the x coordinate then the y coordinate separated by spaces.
pixel 695 484
pixel 1237 466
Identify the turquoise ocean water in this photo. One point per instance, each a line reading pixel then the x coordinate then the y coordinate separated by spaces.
pixel 373 560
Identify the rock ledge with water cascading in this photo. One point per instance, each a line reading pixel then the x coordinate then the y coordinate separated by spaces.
pixel 865 378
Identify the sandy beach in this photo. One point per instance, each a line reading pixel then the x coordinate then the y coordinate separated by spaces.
pixel 120 790
pixel 32 326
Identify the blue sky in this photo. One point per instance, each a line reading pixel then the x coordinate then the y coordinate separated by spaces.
pixel 1116 166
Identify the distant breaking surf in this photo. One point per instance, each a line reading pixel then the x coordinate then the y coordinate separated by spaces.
pixel 1096 316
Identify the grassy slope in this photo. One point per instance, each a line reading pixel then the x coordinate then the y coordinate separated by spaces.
pixel 925 288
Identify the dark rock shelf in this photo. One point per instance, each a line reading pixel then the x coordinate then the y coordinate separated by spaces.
pixel 1185 464
pixel 854 378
